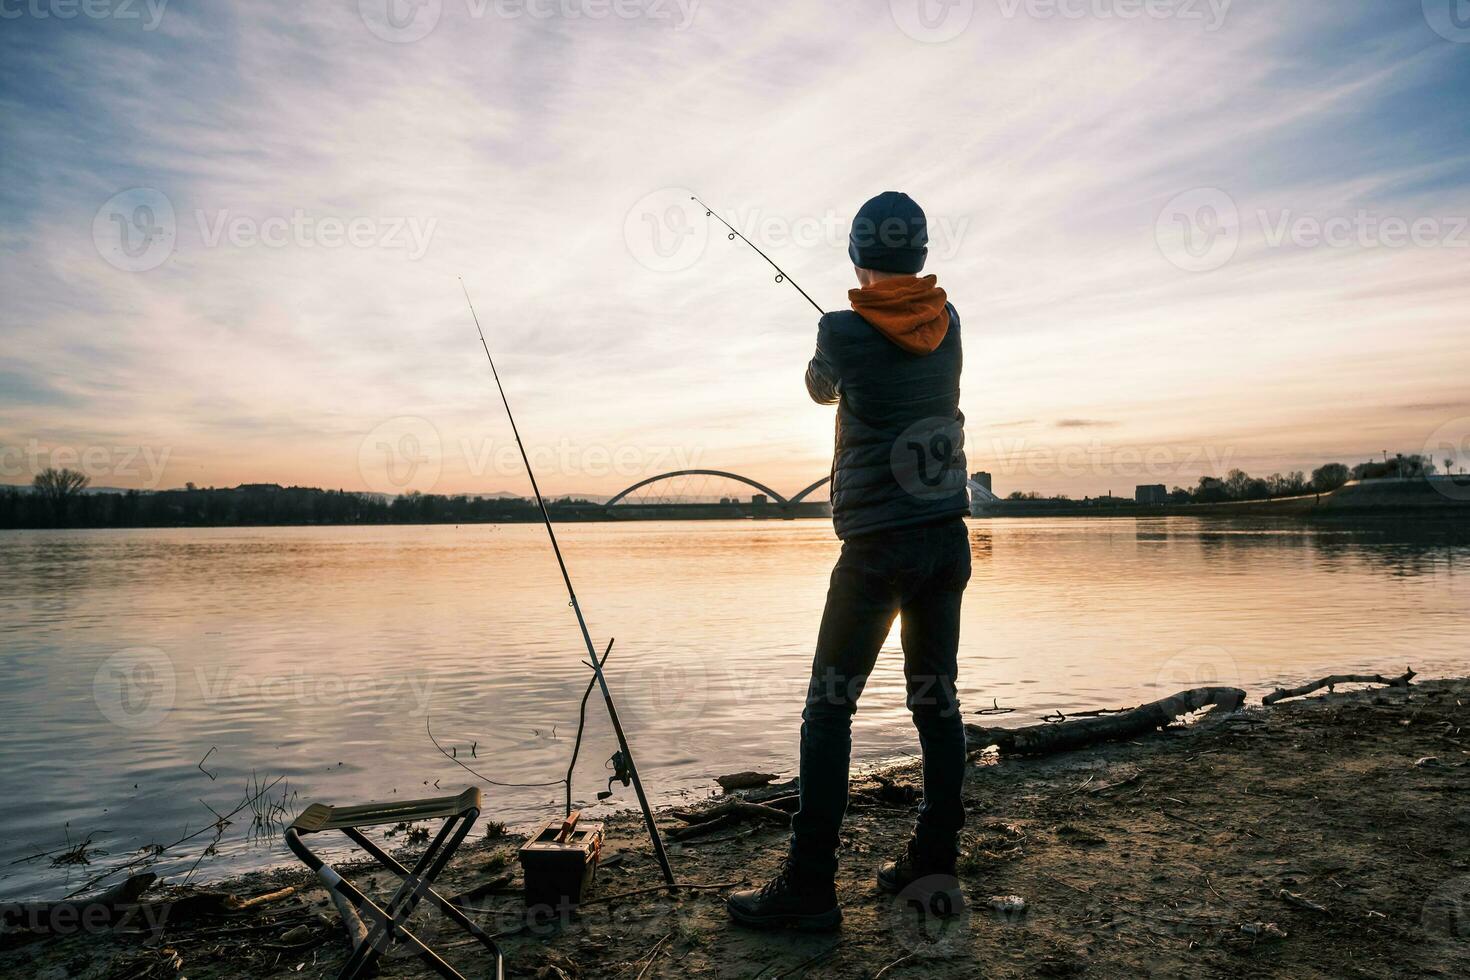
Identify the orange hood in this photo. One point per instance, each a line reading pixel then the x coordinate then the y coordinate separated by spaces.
pixel 909 311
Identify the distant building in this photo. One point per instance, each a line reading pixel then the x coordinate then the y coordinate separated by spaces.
pixel 983 479
pixel 1150 494
pixel 759 500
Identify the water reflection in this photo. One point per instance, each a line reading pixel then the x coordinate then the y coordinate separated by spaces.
pixel 323 654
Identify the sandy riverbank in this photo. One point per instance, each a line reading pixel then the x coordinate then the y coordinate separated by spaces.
pixel 1310 839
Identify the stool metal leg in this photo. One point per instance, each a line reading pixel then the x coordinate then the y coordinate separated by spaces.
pixel 388 923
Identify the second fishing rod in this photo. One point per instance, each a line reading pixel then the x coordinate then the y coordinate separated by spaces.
pixel 625 754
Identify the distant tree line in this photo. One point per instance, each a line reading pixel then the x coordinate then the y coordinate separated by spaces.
pixel 57 498
pixel 1240 485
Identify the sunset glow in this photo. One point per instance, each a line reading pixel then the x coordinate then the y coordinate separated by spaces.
pixel 329 184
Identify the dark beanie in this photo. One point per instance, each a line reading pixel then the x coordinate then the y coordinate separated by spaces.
pixel 890 234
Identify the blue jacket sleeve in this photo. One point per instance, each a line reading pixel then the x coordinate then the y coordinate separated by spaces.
pixel 823 382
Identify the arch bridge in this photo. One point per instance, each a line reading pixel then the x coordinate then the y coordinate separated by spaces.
pixel 977 491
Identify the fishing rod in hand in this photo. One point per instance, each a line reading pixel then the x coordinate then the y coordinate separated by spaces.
pixel 593 660
pixel 781 275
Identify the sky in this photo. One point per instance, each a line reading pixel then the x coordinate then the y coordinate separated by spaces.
pixel 1183 236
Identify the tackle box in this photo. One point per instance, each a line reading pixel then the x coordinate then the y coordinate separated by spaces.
pixel 559 861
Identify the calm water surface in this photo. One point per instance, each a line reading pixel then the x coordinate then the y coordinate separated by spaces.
pixel 322 654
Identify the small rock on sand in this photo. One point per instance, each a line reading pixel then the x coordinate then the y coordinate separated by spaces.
pixel 1008 904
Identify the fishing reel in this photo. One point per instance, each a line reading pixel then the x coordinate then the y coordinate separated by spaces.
pixel 621 773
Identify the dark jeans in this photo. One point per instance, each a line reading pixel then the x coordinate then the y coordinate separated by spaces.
pixel 921 574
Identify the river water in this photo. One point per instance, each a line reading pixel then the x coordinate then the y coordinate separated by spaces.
pixel 146 675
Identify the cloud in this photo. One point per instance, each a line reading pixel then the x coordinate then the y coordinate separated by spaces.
pixel 1084 424
pixel 1049 146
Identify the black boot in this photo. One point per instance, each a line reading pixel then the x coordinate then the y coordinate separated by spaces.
pixel 791 900
pixel 929 874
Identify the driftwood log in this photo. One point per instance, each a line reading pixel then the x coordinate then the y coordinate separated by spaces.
pixel 1048 738
pixel 71 915
pixel 1282 693
pixel 726 814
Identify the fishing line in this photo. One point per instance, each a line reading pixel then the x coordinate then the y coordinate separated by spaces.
pixel 576 746
pixel 781 275
pixel 493 782
pixel 593 660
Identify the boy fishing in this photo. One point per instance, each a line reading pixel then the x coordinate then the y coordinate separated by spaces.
pixel 891 365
